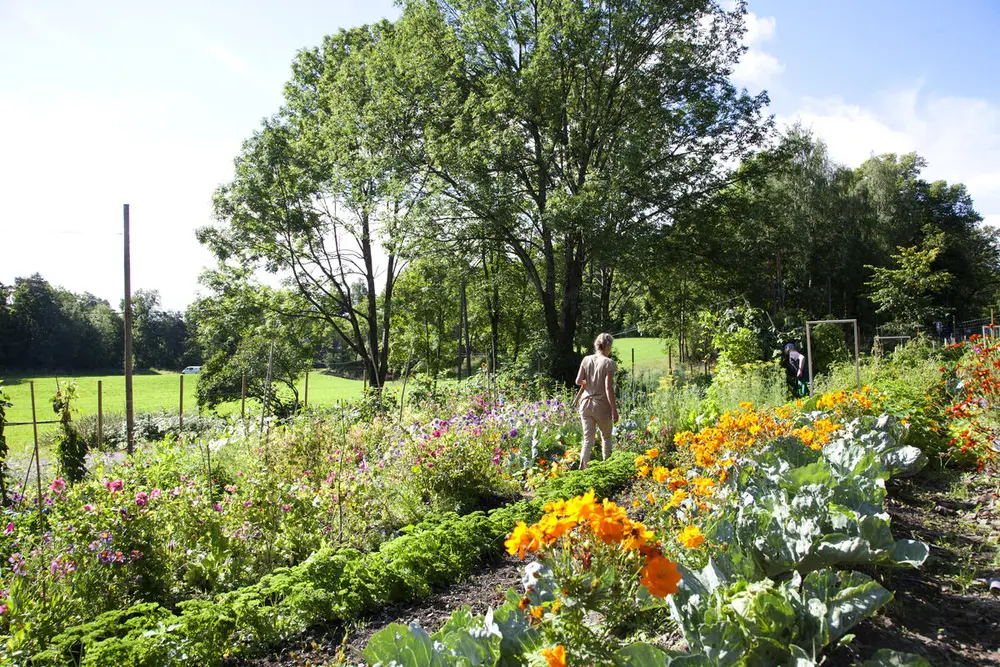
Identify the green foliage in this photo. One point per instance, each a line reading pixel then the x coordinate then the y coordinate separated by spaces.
pixel 906 293
pixel 829 346
pixel 760 383
pixel 72 449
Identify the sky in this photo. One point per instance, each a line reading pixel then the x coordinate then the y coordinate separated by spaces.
pixel 107 103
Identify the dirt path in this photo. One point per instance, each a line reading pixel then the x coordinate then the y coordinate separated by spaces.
pixel 945 611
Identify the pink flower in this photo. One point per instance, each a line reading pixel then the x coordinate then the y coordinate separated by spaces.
pixel 248 503
pixel 114 486
pixel 9 529
pixel 155 494
pixel 57 485
pixel 141 498
pixel 217 507
pixel 3 609
pixel 88 508
pixel 286 508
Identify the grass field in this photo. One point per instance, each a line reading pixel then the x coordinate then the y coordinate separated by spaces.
pixel 152 392
pixel 650 355
pixel 161 391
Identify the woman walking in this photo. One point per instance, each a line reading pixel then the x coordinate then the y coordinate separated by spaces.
pixel 599 405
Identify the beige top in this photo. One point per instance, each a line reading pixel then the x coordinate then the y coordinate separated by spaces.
pixel 595 369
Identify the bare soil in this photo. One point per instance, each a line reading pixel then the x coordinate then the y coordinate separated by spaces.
pixel 943 612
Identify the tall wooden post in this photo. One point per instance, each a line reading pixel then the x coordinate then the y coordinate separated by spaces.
pixel 305 401
pixel 181 406
pixel 38 480
pixel 243 398
pixel 129 416
pixel 100 412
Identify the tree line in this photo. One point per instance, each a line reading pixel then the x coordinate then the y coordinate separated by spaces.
pixel 48 328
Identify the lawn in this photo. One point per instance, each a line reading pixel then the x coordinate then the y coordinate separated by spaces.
pixel 152 392
pixel 650 355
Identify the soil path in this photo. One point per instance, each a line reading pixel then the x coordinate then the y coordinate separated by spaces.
pixel 944 611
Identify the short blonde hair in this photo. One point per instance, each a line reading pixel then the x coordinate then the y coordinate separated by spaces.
pixel 603 343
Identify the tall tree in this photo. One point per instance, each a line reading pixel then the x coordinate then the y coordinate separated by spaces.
pixel 557 120
pixel 318 191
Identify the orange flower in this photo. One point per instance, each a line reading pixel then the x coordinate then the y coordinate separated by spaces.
pixel 660 575
pixel 556 657
pixel 691 537
pixel 522 539
pixel 660 474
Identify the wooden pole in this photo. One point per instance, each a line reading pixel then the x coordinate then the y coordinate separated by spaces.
pixel 857 356
pixel 100 412
pixel 243 398
pixel 129 416
pixel 38 480
pixel 305 401
pixel 181 408
pixel 809 354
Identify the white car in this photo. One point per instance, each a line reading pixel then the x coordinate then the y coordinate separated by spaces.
pixel 191 369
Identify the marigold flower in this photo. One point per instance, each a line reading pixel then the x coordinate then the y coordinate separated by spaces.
pixel 660 474
pixel 556 657
pixel 691 537
pixel 660 575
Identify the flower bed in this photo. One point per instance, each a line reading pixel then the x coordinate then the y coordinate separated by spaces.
pixel 332 585
pixel 744 540
pixel 188 522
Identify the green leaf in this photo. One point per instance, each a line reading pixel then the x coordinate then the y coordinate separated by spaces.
pixel 397 644
pixel 909 552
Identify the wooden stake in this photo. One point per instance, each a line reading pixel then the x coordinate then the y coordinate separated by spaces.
pixel 305 401
pixel 100 412
pixel 181 408
pixel 129 416
pixel 243 398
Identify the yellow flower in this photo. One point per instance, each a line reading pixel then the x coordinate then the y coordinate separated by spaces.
pixel 652 453
pixel 676 499
pixel 660 474
pixel 691 537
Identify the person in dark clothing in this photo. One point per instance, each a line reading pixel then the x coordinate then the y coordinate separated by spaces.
pixel 795 370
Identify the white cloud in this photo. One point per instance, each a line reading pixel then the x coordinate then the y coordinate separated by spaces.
pixel 758 68
pixel 958 136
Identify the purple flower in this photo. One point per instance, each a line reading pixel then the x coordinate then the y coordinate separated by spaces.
pixel 141 498
pixel 217 507
pixel 9 529
pixel 248 503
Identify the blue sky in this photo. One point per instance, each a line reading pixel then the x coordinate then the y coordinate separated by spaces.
pixel 105 103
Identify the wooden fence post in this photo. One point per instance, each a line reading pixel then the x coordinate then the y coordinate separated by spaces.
pixel 100 412
pixel 243 398
pixel 305 401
